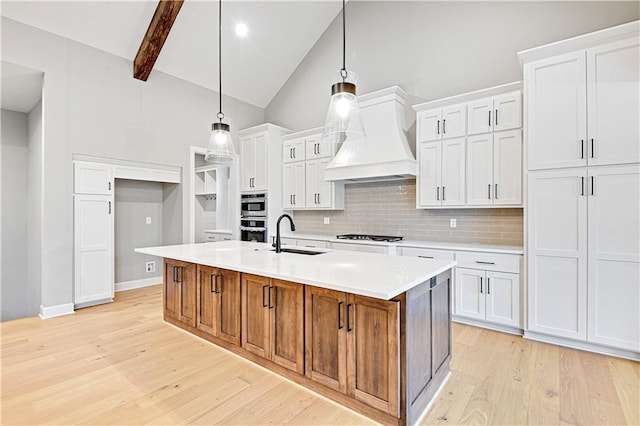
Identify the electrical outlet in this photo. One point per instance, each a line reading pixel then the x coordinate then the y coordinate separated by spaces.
pixel 151 266
pixel 148 220
pixel 327 220
pixel 452 223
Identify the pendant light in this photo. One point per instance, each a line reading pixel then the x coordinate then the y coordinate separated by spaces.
pixel 343 118
pixel 220 150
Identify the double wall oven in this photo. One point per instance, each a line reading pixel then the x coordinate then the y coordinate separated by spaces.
pixel 253 217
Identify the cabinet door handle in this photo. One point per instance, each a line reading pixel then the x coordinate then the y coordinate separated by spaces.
pixel 444 126
pixel 485 263
pixel 489 191
pixel 340 326
pixel 294 152
pixel 593 154
pixel 496 117
pixel 264 303
pixel 495 191
pixel 438 127
pixel 180 273
pixel 109 184
pixel 581 148
pixel 489 118
pixel 318 148
pixel 271 306
pixel 175 274
pixel 582 186
pixel 593 189
pixel 488 285
pixel 444 198
pixel 109 207
pixel 437 193
pixel 294 199
pixel 480 285
pixel 349 328
pixel 318 198
pixel 212 283
pixel 426 257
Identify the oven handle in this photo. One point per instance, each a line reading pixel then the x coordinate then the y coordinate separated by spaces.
pixel 253 228
pixel 253 200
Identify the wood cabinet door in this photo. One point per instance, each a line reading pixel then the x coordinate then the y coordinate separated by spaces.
pixel 480 174
pixel 454 121
pixel 614 257
pixel 480 116
pixel 248 162
pixel 326 337
pixel 285 302
pixel 556 111
pixel 469 294
pixel 453 172
pixel 428 125
pixel 171 289
pixel 507 168
pixel 188 290
pixel 228 313
pixel 503 298
pixel 207 300
pixel 557 252
pixel 373 352
pixel 613 102
pixel 429 163
pixel 255 315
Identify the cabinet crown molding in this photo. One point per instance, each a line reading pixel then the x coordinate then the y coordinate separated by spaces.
pixel 469 96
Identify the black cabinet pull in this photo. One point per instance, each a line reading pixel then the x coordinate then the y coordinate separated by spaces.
pixel 438 127
pixel 488 285
pixel 212 286
pixel 109 207
pixel 109 186
pixel 489 118
pixel 438 193
pixel 294 199
pixel 443 196
pixel 582 186
pixel 349 328
pixel 593 154
pixel 264 303
pixel 294 152
pixel 489 191
pixel 480 285
pixel 496 117
pixel 318 148
pixel 593 190
pixel 426 257
pixel 274 295
pixel 495 191
pixel 444 126
pixel 485 263
pixel 339 315
pixel 175 276
pixel 581 148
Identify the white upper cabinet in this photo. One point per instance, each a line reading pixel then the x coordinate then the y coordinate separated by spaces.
pixel 317 148
pixel 92 178
pixel 253 149
pixel 502 112
pixel 293 185
pixel 293 150
pixel 613 103
pixel 319 192
pixel 430 178
pixel 480 174
pixel 442 173
pixel 583 107
pixel 453 172
pixel 442 123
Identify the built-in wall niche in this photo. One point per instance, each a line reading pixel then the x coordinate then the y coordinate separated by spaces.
pixel 205 181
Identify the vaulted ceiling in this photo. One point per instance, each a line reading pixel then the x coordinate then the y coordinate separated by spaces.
pixel 254 68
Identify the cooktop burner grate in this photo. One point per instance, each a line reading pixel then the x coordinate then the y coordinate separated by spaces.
pixel 367 237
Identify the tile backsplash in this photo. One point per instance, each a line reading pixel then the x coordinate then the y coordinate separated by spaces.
pixel 389 208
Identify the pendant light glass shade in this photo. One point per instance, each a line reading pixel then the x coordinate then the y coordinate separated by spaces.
pixel 343 118
pixel 220 150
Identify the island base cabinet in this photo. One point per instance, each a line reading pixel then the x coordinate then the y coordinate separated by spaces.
pixel 180 291
pixel 272 320
pixel 218 296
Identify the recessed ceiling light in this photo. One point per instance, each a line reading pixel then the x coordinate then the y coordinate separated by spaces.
pixel 241 29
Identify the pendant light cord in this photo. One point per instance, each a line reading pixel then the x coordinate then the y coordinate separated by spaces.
pixel 220 114
pixel 343 71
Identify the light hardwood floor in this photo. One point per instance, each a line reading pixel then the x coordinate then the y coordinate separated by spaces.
pixel 121 364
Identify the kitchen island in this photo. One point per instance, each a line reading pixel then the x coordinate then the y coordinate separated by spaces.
pixel 369 331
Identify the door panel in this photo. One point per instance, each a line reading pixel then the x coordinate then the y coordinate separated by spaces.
pixel 453 172
pixel 480 178
pixel 441 322
pixel 228 315
pixel 507 111
pixel 429 161
pixel 171 290
pixel 261 161
pixel 429 125
pixel 188 290
pixel 311 187
pixel 248 158
pixel 480 116
pixel 325 189
pixel 503 298
pixel 507 168
pixel 470 300
pixel 287 324
pixel 454 121
pixel 207 300
pixel 91 178
pixel 255 315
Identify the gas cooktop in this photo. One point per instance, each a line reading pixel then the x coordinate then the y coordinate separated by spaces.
pixel 384 238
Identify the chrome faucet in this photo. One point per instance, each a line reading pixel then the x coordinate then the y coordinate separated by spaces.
pixel 278 244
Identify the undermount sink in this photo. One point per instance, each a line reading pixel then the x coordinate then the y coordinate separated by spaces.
pixel 300 251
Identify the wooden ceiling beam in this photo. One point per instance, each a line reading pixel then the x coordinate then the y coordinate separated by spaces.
pixel 158 31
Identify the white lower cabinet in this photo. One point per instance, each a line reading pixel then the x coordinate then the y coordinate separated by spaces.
pixel 93 249
pixel 369 248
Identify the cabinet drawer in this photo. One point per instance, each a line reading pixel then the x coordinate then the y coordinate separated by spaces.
pixel 359 247
pixel 426 253
pixel 489 261
pixel 313 243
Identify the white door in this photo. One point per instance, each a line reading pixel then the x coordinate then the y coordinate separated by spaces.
pixel 93 249
pixel 299 179
pixel 469 296
pixel 480 116
pixel 507 111
pixel 288 185
pixel 429 125
pixel 613 78
pixel 429 159
pixel 311 187
pixel 261 161
pixel 317 147
pixel 503 298
pixel 556 111
pixel 248 162
pixel 557 252
pixel 454 121
pixel 92 178
pixel 453 172
pixel 293 150
pixel 507 168
pixel 614 257
pixel 480 169
pixel 325 189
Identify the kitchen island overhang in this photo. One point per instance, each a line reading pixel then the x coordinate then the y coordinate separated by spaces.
pixel 388 353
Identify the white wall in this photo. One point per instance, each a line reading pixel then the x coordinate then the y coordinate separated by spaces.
pixel 433 49
pixel 93 106
pixel 14 219
pixel 35 209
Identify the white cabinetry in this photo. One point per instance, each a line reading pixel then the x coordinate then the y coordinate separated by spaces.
pixel 497 113
pixel 495 168
pixel 304 186
pixel 253 152
pixel 583 107
pixel 368 248
pixel 442 123
pixel 426 253
pixel 487 288
pixel 441 173
pixel 92 178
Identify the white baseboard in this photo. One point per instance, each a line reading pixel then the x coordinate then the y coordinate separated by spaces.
pixel 585 346
pixel 145 282
pixel 47 312
pixel 490 326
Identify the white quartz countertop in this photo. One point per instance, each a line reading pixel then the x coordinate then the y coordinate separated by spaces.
pixel 368 274
pixel 440 245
